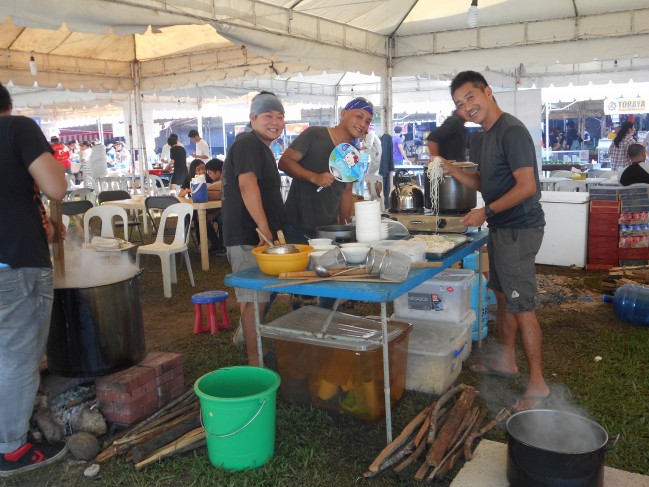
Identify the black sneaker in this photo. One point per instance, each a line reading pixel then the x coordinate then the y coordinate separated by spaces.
pixel 30 457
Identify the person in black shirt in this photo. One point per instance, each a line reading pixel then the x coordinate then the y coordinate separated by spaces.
pixel 638 171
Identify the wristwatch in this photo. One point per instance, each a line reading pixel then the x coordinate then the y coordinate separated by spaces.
pixel 489 211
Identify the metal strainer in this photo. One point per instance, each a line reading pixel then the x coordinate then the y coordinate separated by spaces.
pixel 390 265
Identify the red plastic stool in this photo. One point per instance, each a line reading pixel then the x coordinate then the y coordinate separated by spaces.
pixel 209 299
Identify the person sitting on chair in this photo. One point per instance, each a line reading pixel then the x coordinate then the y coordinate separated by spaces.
pixel 638 171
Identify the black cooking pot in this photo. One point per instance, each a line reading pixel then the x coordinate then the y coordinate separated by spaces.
pixel 96 330
pixel 337 233
pixel 549 448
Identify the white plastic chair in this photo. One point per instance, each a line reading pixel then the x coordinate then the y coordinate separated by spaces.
pixel 157 186
pixel 82 194
pixel 111 184
pixel 167 252
pixel 571 186
pixel 106 214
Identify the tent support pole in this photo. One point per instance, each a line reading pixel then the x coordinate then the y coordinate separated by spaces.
pixel 139 122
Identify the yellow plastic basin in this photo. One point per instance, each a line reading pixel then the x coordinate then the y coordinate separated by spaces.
pixel 273 264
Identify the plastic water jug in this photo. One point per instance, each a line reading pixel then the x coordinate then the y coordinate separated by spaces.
pixel 631 303
pixel 199 189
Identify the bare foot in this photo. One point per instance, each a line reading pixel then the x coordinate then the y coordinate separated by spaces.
pixel 487 369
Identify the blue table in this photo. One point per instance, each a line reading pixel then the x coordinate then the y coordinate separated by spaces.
pixel 362 291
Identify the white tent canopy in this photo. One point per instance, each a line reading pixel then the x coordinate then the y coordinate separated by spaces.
pixel 94 44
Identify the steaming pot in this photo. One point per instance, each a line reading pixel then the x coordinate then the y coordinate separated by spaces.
pixel 555 448
pixel 96 330
pixel 453 197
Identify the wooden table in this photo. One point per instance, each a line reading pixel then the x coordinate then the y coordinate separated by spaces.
pixel 137 203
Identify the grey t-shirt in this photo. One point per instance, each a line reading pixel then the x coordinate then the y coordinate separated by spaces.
pixel 305 207
pixel 505 147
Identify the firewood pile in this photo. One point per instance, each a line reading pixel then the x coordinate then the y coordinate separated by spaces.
pixel 617 276
pixel 172 430
pixel 442 433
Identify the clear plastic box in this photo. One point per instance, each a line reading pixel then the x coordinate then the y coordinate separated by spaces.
pixel 435 354
pixel 445 298
pixel 339 368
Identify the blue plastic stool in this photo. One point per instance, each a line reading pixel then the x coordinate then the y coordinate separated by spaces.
pixel 209 299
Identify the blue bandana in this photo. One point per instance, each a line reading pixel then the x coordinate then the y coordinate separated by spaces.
pixel 360 104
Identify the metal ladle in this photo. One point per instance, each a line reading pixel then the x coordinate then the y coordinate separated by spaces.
pixel 277 249
pixel 322 271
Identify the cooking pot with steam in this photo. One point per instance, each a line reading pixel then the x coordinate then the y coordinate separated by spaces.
pixel 96 326
pixel 555 448
pixel 454 198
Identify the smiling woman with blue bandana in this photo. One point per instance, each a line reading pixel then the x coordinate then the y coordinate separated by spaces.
pixel 306 160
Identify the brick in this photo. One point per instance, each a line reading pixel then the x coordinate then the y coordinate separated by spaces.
pixel 162 361
pixel 127 380
pixel 170 375
pixel 131 416
pixel 170 396
pixel 171 385
pixel 117 396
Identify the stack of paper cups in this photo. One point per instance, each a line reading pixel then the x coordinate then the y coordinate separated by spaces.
pixel 368 221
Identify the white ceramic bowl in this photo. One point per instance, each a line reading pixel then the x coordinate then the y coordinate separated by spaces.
pixel 355 254
pixel 354 244
pixel 323 247
pixel 314 242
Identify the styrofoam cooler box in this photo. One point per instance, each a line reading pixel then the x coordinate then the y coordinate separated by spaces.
pixel 445 298
pixel 436 352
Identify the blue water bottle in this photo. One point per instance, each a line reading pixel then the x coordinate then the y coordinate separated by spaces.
pixel 631 303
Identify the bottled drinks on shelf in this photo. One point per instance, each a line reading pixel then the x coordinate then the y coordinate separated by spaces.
pixel 631 303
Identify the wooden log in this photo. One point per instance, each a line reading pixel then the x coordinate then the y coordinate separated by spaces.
pixel 162 424
pixel 471 415
pixel 423 430
pixel 142 451
pixel 177 446
pixel 484 429
pixel 421 446
pixel 455 448
pixel 422 471
pixel 399 440
pixel 438 405
pixel 442 441
pixel 473 435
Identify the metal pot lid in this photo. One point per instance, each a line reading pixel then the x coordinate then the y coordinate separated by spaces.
pixel 557 431
pixel 102 275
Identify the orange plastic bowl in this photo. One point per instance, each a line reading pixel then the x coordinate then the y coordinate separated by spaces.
pixel 273 264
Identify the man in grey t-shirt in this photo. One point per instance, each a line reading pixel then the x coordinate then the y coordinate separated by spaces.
pixel 509 181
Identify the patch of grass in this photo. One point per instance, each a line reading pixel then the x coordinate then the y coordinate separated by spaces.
pixel 316 449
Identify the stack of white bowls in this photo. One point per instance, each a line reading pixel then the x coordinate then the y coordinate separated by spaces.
pixel 368 221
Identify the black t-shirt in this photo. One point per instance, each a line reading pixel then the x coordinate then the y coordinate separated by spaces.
pixel 248 154
pixel 451 137
pixel 23 242
pixel 633 174
pixel 305 206
pixel 179 156
pixel 504 148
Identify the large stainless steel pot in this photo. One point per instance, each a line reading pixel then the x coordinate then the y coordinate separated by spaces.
pixel 453 197
pixel 337 233
pixel 96 330
pixel 405 198
pixel 555 448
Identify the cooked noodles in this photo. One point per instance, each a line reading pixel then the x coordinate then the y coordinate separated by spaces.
pixel 436 176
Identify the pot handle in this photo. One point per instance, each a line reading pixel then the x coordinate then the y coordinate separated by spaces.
pixel 610 444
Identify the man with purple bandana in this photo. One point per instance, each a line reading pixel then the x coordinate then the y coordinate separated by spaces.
pixel 306 160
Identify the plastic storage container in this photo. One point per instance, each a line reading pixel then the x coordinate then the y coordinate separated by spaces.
pixel 445 298
pixel 631 303
pixel 435 354
pixel 341 368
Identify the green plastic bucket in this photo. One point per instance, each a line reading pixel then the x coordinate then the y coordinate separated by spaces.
pixel 238 414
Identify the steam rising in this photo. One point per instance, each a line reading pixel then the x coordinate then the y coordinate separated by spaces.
pixel 85 267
